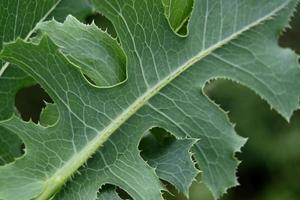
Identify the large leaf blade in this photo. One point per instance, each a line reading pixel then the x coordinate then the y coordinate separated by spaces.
pixel 149 90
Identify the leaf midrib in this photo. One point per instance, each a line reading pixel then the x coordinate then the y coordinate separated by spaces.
pixel 58 179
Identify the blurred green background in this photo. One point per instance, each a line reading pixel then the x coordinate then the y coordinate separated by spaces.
pixel 271 158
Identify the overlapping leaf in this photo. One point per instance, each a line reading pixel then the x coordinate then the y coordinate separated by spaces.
pixel 78 8
pixel 96 54
pixel 17 19
pixel 165 77
pixel 109 193
pixel 10 146
pixel 178 12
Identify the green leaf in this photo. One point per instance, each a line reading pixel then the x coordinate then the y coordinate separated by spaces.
pixel 78 8
pixel 17 19
pixel 49 115
pixel 165 77
pixel 10 82
pixel 178 12
pixel 10 146
pixel 171 161
pixel 110 194
pixel 117 165
pixel 96 54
